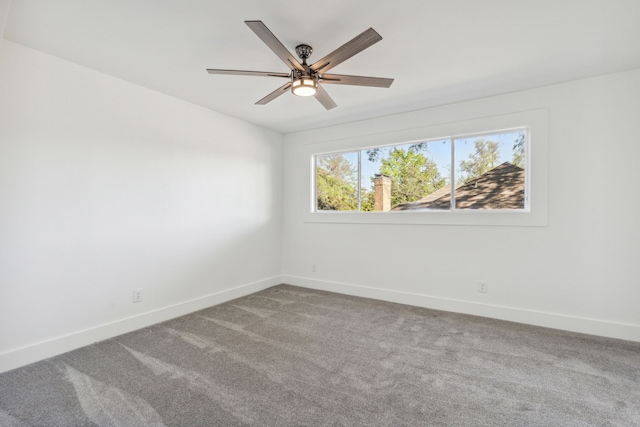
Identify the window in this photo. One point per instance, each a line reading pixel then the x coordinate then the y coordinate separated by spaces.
pixel 484 171
pixel 471 195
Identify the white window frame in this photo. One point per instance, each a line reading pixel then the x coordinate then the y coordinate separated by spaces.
pixel 536 170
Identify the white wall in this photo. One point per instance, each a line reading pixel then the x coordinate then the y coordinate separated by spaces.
pixel 106 187
pixel 5 5
pixel 581 272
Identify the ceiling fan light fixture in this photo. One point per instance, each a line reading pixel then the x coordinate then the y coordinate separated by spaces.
pixel 304 86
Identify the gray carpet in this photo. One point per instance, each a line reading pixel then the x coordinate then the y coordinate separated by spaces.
pixel 289 356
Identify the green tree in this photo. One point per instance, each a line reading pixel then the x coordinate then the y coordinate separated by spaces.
pixel 413 175
pixel 484 159
pixel 336 184
pixel 373 154
pixel 518 151
pixel 367 200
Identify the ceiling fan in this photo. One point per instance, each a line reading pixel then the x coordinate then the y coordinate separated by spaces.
pixel 304 79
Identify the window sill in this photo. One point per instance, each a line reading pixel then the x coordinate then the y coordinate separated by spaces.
pixel 458 217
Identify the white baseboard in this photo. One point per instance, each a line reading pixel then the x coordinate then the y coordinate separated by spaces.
pixel 583 325
pixel 32 353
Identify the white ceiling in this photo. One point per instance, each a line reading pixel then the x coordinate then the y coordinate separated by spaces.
pixel 438 51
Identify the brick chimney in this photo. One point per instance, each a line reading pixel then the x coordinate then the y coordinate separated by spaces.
pixel 382 192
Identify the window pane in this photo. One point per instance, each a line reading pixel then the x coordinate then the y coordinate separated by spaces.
pixel 406 177
pixel 337 182
pixel 490 171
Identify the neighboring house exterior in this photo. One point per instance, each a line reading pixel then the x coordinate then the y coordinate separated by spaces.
pixel 500 188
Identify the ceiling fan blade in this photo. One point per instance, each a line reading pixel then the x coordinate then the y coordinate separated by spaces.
pixel 324 98
pixel 247 73
pixel 347 50
pixel 341 79
pixel 276 93
pixel 274 44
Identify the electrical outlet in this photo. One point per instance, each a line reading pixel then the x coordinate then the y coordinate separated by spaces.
pixel 137 295
pixel 483 287
pixel 314 268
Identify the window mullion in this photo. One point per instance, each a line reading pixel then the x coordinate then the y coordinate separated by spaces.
pixel 314 184
pixel 359 181
pixel 452 178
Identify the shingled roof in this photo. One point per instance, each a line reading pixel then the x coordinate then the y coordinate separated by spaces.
pixel 500 188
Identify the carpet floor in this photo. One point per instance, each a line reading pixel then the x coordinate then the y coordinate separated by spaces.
pixel 289 356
